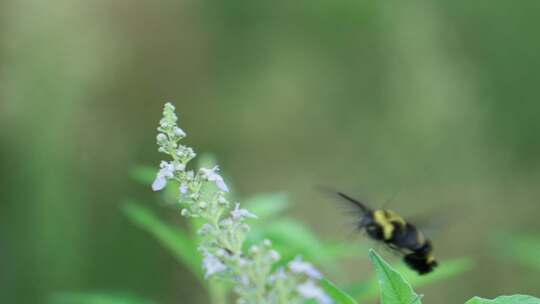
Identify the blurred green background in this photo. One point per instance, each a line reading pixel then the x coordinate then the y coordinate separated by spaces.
pixel 431 103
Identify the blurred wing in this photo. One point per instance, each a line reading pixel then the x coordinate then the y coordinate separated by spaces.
pixel 357 204
pixel 396 250
pixel 428 225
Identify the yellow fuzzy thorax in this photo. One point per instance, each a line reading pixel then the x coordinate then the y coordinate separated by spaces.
pixel 386 219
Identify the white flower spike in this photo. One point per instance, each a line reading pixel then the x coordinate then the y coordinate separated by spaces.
pixel 224 233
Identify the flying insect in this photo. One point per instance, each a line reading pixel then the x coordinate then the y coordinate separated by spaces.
pixel 390 228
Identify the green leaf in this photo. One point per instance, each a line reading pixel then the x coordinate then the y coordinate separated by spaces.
pixel 446 269
pixel 337 294
pixel 174 239
pixel 515 299
pixel 97 298
pixel 267 205
pixel 394 288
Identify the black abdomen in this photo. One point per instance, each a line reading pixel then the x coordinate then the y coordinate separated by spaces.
pixel 408 237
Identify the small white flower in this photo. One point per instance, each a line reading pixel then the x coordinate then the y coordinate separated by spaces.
pixel 185 152
pixel 212 264
pixel 213 176
pixel 238 213
pixel 244 279
pixel 243 262
pixel 299 266
pixel 184 188
pixel 281 273
pixel 274 255
pixel 221 252
pixel 254 249
pixel 221 185
pixel 168 168
pixel 166 172
pixel 168 112
pixel 164 123
pixel 222 200
pixel 161 138
pixel 169 107
pixel 179 132
pixel 205 229
pixel 309 290
pixel 179 167
pixel 278 275
pixel 159 183
pixel 190 152
pixel 226 222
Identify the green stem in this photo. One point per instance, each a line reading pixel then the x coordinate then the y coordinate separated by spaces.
pixel 217 293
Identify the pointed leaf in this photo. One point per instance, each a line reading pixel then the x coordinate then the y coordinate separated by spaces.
pixel 447 269
pixel 394 288
pixel 337 294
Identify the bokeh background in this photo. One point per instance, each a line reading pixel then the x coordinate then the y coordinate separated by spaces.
pixel 431 105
